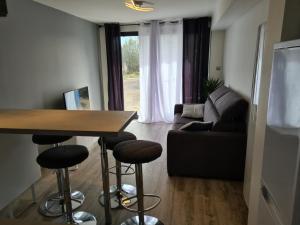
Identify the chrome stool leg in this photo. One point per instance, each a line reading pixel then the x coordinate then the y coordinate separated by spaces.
pixel 76 217
pixel 124 190
pixel 141 219
pixel 52 205
pixel 140 192
pixel 119 191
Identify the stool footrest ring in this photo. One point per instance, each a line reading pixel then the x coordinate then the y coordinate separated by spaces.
pixel 128 171
pixel 124 200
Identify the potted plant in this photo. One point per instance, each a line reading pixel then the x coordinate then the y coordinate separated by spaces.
pixel 211 85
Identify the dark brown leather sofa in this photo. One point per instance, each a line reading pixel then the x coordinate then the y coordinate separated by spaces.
pixel 218 153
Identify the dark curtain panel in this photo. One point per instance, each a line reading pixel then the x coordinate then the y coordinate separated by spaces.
pixel 196 41
pixel 114 67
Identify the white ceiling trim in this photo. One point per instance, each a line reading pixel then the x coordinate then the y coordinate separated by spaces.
pixel 228 11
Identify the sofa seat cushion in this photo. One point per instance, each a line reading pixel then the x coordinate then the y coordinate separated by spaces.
pixel 197 126
pixel 176 126
pixel 178 119
pixel 229 127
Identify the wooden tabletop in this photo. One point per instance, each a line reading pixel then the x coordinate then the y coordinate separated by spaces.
pixel 22 222
pixel 64 122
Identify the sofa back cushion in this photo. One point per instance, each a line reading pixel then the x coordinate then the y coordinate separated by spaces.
pixel 210 112
pixel 197 126
pixel 226 109
pixel 214 96
pixel 231 107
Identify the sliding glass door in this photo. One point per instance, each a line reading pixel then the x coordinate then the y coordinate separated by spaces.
pixel 130 68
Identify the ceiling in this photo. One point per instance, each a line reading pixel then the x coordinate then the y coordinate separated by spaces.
pixel 100 11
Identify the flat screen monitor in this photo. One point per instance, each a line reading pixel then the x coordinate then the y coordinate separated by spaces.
pixel 77 99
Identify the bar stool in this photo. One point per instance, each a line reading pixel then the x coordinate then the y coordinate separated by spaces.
pixel 139 152
pixel 61 158
pixel 51 206
pixel 119 190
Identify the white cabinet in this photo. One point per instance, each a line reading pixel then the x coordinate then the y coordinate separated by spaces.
pixel 281 169
pixel 280 196
pixel 265 214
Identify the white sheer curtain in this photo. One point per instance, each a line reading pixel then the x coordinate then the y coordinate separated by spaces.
pixel 160 70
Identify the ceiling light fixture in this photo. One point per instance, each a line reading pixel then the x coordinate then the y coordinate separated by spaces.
pixel 138 5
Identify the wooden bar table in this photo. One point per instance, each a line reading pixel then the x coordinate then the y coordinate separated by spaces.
pixel 71 123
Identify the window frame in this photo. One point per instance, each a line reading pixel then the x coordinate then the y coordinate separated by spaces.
pixel 129 33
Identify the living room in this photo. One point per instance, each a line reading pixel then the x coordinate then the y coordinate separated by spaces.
pixel 195 79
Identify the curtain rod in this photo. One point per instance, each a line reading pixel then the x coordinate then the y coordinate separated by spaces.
pixel 129 24
pixel 162 22
pixel 124 25
pixel 137 24
pixel 147 22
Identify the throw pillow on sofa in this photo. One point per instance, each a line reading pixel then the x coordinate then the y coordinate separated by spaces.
pixel 197 126
pixel 193 111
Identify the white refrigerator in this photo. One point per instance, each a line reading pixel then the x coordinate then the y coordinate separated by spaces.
pixel 280 185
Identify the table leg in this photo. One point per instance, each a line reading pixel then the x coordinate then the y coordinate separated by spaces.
pixel 119 180
pixel 105 180
pixel 33 193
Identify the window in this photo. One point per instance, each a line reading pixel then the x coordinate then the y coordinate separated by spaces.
pixel 130 68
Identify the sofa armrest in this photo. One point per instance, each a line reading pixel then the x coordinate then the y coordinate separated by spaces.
pixel 206 154
pixel 178 108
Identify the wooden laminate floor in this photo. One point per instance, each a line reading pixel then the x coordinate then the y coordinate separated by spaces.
pixel 185 201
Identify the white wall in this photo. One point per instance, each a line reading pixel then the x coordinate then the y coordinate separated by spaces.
pixel 43 52
pixel 228 11
pixel 278 29
pixel 221 9
pixel 239 62
pixel 240 49
pixel 216 54
pixel 282 24
pixel 104 71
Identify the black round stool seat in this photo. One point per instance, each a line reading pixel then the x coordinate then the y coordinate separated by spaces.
pixel 138 151
pixel 111 141
pixel 49 139
pixel 62 156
